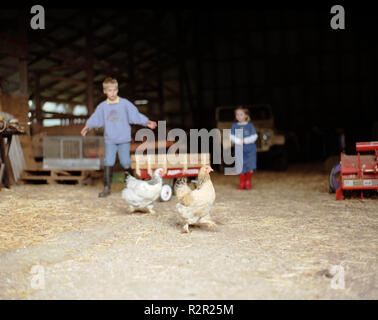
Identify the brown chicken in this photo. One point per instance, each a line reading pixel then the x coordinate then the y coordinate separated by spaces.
pixel 194 205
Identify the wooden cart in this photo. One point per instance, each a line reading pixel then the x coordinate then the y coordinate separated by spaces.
pixel 175 166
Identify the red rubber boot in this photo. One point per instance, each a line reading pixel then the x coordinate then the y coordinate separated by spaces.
pixel 242 181
pixel 248 180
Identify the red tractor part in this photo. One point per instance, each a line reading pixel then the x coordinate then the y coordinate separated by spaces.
pixel 359 172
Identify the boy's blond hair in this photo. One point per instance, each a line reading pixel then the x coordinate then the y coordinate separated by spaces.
pixel 246 112
pixel 109 81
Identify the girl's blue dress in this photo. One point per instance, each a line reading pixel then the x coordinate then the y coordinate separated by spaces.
pixel 249 150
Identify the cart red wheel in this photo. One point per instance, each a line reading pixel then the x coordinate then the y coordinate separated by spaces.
pixel 166 192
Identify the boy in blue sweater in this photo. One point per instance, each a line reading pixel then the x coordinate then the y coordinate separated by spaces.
pixel 115 114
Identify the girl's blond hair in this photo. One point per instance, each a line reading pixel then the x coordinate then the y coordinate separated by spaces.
pixel 109 81
pixel 246 112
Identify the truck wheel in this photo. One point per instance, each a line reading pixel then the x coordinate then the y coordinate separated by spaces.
pixel 166 192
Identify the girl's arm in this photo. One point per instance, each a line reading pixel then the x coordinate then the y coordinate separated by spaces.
pixel 234 138
pixel 253 137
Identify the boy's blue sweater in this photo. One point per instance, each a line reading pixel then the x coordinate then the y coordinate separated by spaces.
pixel 116 119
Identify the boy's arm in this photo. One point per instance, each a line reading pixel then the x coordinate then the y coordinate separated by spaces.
pixel 96 120
pixel 84 131
pixel 135 117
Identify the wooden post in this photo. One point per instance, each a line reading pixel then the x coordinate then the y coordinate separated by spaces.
pixel 179 39
pixel 160 88
pixel 230 36
pixel 130 60
pixel 37 98
pixel 160 81
pixel 199 103
pixel 284 84
pixel 90 71
pixel 249 51
pixel 308 116
pixel 23 63
pixel 182 99
pixel 188 88
pixel 215 62
pixel 23 66
pixel 267 57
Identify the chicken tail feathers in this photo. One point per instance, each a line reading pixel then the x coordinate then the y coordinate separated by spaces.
pixel 129 179
pixel 181 188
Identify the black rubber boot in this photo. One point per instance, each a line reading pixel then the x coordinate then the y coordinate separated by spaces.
pixel 107 181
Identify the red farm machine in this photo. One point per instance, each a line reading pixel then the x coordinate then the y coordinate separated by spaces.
pixel 356 172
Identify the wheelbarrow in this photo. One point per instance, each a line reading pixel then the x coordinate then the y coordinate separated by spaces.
pixel 175 166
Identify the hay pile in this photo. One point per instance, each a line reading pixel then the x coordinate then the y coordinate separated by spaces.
pixel 30 214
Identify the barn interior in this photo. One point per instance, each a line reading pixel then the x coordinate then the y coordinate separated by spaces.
pixel 182 66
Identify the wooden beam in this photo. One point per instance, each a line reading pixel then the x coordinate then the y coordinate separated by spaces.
pixel 66 79
pixel 100 64
pixel 36 36
pixel 67 42
pixel 69 61
pixel 61 67
pixel 142 35
pixel 98 84
pixel 70 43
pixel 57 115
pixel 50 85
pixel 10 68
pixel 58 92
pixel 52 99
pixel 12 46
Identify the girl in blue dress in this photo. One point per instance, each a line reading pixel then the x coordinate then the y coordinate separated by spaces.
pixel 247 139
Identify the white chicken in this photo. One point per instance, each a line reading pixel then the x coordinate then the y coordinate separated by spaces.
pixel 194 205
pixel 140 194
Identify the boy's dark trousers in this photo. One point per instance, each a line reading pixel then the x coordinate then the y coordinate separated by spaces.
pixel 108 175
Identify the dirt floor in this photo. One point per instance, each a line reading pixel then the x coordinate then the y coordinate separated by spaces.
pixel 279 240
